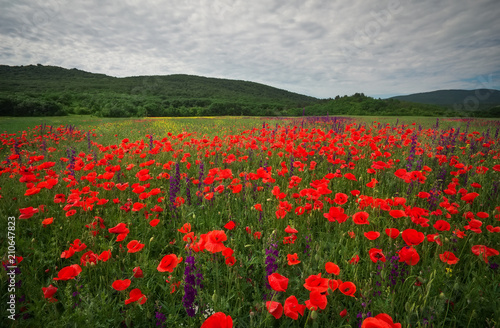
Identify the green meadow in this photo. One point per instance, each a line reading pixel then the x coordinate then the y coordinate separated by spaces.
pixel 271 221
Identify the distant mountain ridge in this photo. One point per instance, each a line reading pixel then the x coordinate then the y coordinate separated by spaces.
pixel 457 99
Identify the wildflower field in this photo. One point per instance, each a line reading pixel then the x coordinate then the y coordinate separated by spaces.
pixel 250 222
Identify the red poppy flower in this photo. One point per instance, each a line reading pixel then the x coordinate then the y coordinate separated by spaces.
pixel 218 320
pixel 316 283
pixel 230 260
pixel 381 320
pixel 47 221
pixel 442 225
pixel 347 288
pixel 412 237
pixel 32 191
pixel 293 308
pixel 214 242
pixel 293 259
pixel 138 272
pixel 361 218
pixel 258 207
pixel 136 295
pixel 448 257
pixel 275 308
pixel 67 254
pixel 397 214
pixel 230 225
pixel 343 313
pixel 122 186
pixel 137 207
pixel 104 256
pixel 392 232
pixel 336 214
pixel 486 251
pixel 119 228
pixel 89 257
pixel 400 173
pixel 372 235
pixel 289 229
pixel 70 213
pixel 331 267
pixel 372 183
pixel 350 176
pixel 228 252
pixel 469 198
pixel 78 246
pixel 154 222
pixel 27 212
pixel 134 246
pixel 69 272
pixel 185 228
pixel 59 198
pixel 376 255
pixel 316 300
pixel 409 255
pixel 354 260
pixel 423 195
pixel 168 263
pixel 340 198
pixel 490 228
pixel 333 284
pixel 48 293
pixel 278 282
pixel 121 284
pixel 482 215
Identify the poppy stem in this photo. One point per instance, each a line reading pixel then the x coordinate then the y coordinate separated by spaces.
pixel 307 319
pixel 217 273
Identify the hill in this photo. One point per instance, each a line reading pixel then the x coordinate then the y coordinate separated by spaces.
pixel 37 90
pixel 483 99
pixel 84 93
pixel 359 104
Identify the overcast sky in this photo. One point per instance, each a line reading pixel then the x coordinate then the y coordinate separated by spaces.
pixel 320 48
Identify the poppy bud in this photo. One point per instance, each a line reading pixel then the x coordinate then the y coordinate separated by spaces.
pixel 314 315
pixel 214 297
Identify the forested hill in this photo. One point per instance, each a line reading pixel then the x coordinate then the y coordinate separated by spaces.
pixel 458 99
pixel 96 92
pixel 37 90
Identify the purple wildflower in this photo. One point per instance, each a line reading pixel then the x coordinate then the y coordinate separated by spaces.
pixel 190 291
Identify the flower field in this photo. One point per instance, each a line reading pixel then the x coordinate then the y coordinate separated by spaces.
pixel 251 222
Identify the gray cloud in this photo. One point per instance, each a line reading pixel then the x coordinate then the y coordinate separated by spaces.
pixel 319 48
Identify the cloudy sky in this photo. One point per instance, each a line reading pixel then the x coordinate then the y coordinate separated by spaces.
pixel 320 48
